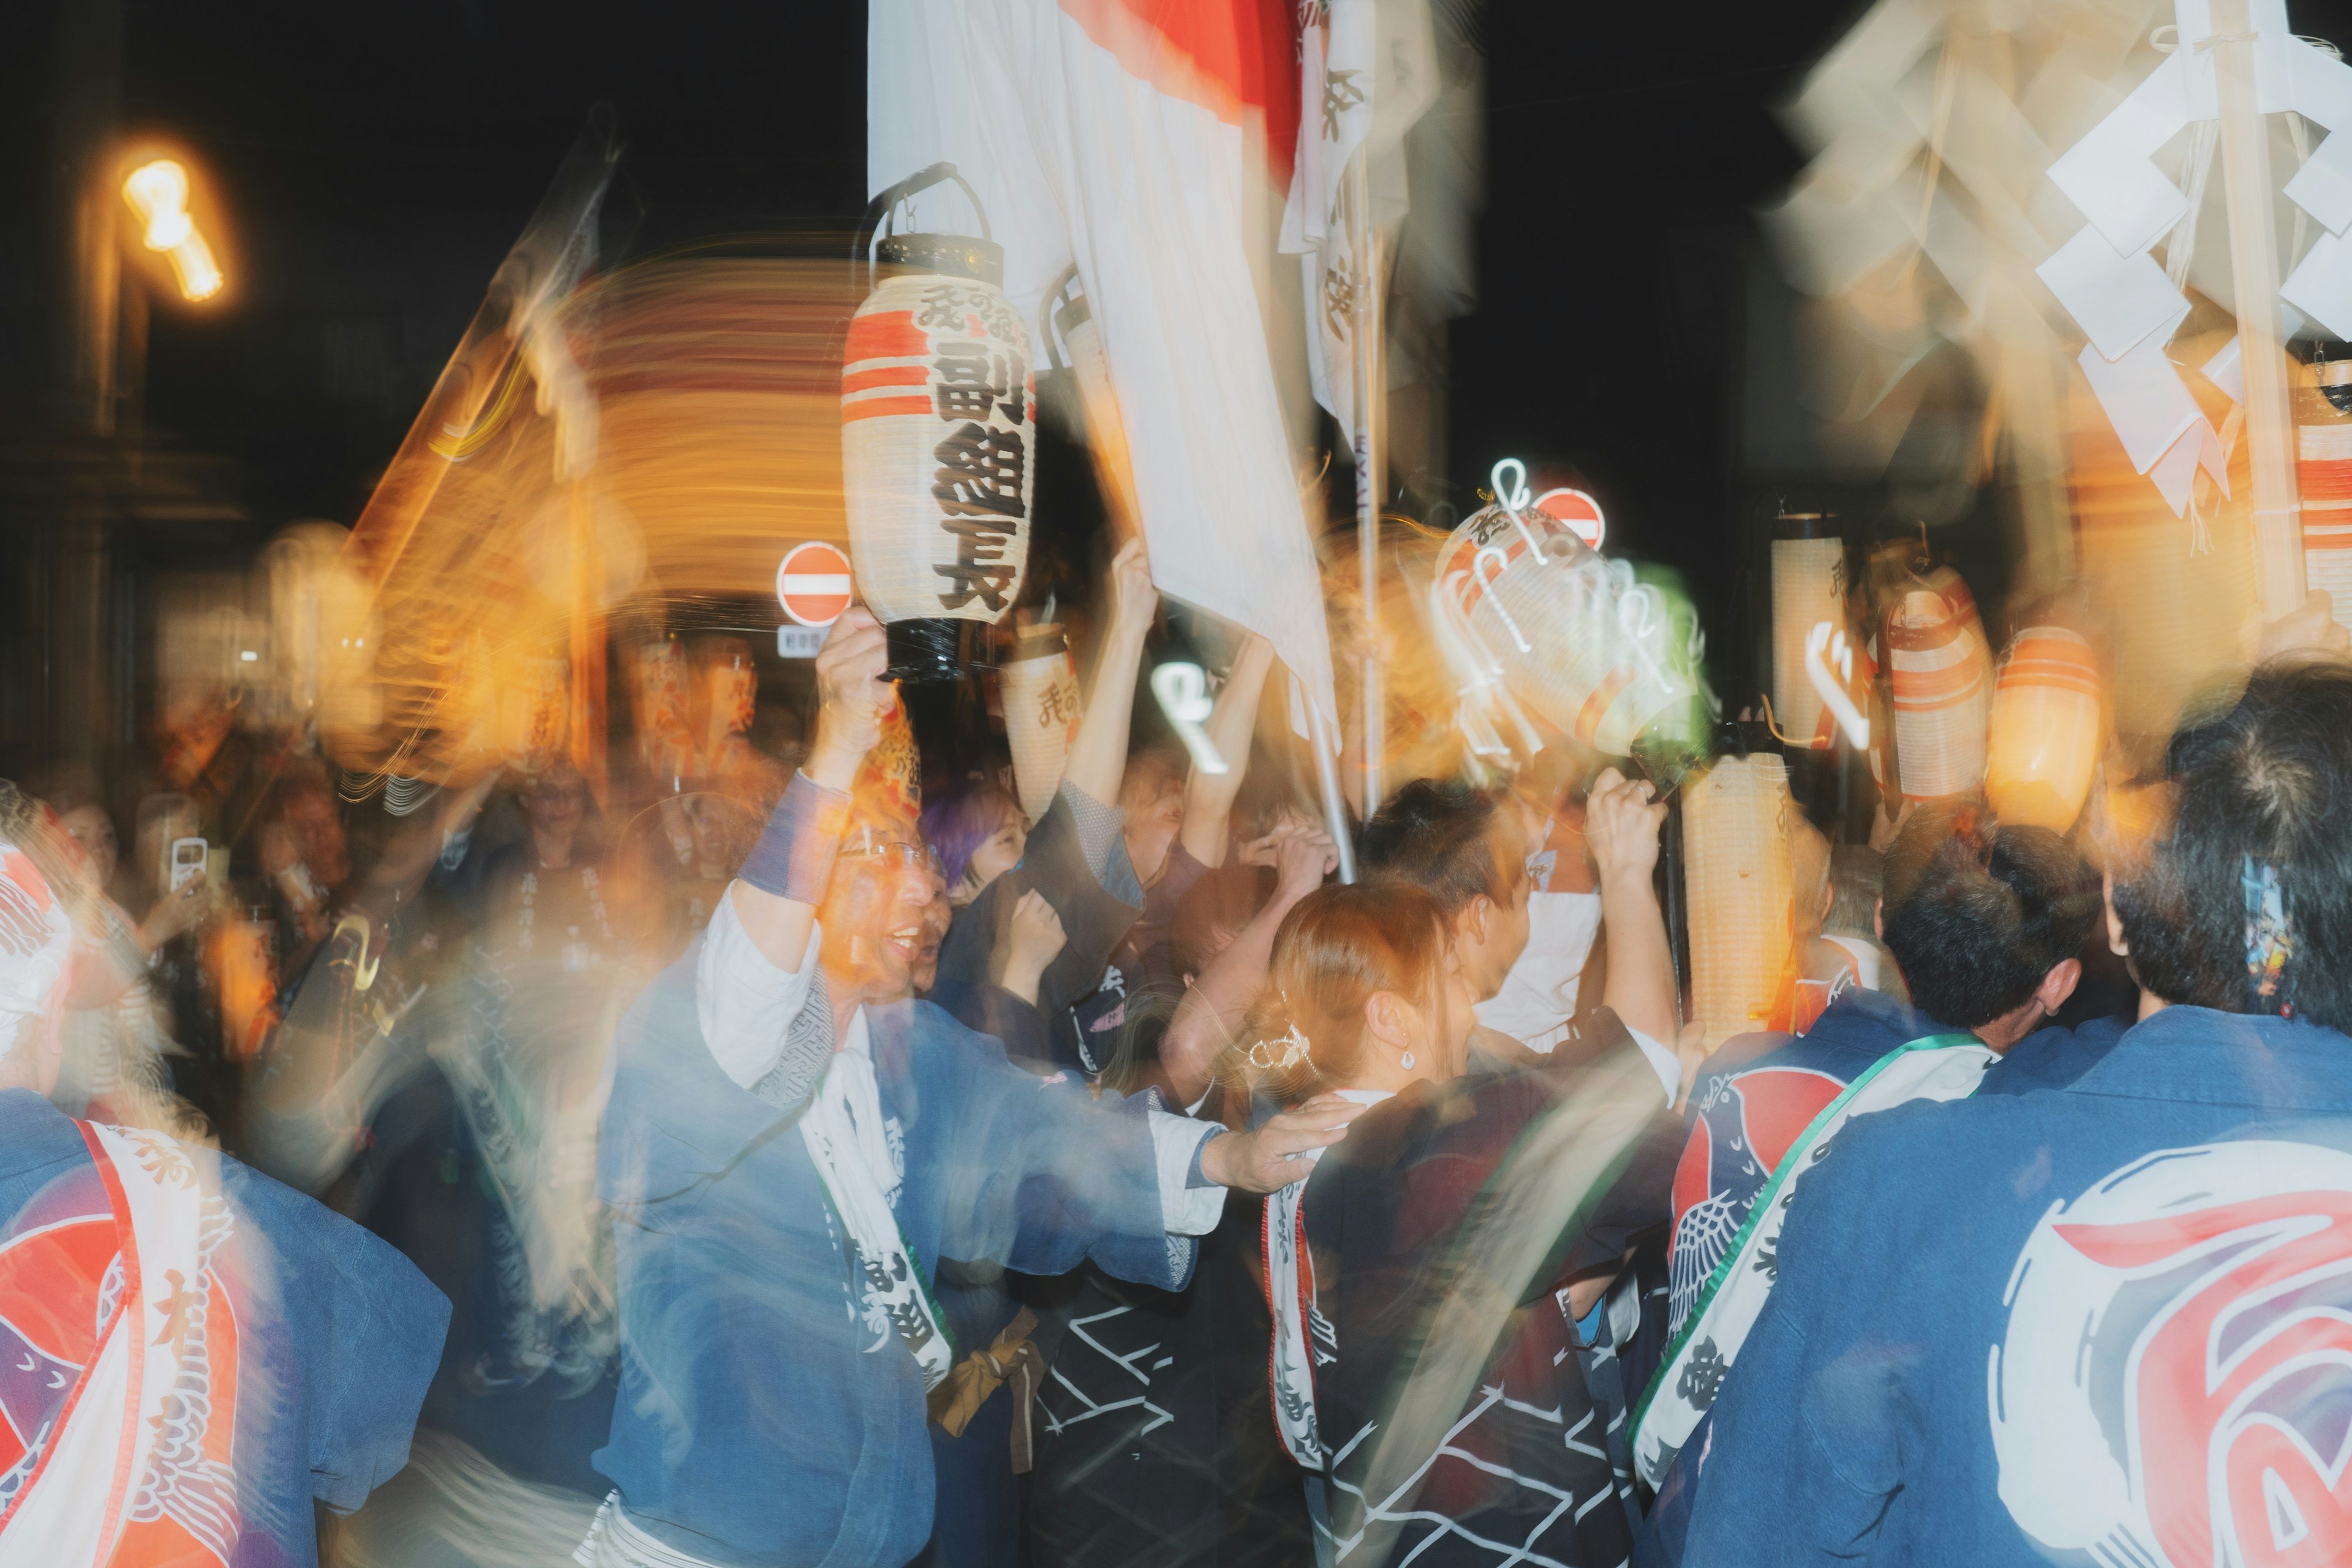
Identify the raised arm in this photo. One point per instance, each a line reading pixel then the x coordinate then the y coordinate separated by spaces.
pixel 1098 756
pixel 1212 1009
pixel 1621 828
pixel 782 882
pixel 1209 797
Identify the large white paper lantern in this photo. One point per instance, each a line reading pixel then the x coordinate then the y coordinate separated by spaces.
pixel 1569 634
pixel 1736 871
pixel 1808 588
pixel 1040 714
pixel 2046 735
pixel 1940 673
pixel 2322 478
pixel 937 443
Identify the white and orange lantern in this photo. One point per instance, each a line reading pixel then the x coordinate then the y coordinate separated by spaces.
pixel 1808 589
pixel 2323 479
pixel 2046 733
pixel 1939 674
pixel 1040 714
pixel 937 441
pixel 1737 821
pixel 1521 599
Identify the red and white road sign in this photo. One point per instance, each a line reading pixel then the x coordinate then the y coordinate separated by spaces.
pixel 812 584
pixel 1579 510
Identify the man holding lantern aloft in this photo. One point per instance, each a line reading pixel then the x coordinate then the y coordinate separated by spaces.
pixel 794 1145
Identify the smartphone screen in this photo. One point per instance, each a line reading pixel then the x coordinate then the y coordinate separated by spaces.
pixel 189 858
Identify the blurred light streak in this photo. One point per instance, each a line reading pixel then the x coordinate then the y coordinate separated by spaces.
pixel 158 192
pixel 1184 693
pixel 1829 664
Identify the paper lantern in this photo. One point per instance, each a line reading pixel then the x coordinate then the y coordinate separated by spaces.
pixel 1940 674
pixel 664 736
pixel 1569 634
pixel 1808 588
pixel 2045 735
pixel 1040 714
pixel 938 444
pixel 1736 871
pixel 2324 476
pixel 534 714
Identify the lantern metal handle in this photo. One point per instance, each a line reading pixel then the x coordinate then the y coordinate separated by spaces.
pixel 885 206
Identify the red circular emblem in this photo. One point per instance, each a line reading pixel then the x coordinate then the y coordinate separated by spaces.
pixel 812 584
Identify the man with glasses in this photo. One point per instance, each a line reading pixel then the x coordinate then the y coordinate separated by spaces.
pixel 792 1146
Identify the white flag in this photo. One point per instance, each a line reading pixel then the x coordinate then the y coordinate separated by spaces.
pixel 1367 70
pixel 1112 133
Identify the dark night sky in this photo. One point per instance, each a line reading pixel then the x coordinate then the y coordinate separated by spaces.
pixel 377 160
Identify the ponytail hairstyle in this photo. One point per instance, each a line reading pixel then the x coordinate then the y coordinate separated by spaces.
pixel 1331 952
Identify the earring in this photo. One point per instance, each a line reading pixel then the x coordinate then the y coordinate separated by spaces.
pixel 1406 1061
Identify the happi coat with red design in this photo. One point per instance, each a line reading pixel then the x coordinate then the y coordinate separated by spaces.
pixel 189 1354
pixel 2110 1322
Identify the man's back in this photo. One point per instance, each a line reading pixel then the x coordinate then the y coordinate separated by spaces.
pixel 2109 1319
pixel 299 1346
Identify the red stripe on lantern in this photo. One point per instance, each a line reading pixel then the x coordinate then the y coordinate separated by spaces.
pixel 876 407
pixel 890 375
pixel 2327 484
pixel 1919 688
pixel 885 335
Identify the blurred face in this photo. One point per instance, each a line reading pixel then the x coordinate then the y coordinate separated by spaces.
pixel 555 802
pixel 94 832
pixel 877 916
pixel 997 854
pixel 318 830
pixel 1153 797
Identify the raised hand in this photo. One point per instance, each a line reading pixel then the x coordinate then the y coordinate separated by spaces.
pixel 1303 857
pixel 1273 1156
pixel 1134 601
pixel 1620 825
pixel 852 698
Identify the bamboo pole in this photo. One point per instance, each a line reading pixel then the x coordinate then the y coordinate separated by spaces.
pixel 1371 458
pixel 2255 277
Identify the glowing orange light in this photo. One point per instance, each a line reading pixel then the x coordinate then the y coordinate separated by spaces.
pixel 158 192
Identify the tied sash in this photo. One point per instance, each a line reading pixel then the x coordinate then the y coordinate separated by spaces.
pixel 857 1158
pixel 1303 1338
pixel 128 1448
pixel 1936 1066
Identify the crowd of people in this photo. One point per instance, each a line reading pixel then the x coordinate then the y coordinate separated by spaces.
pixel 805 1167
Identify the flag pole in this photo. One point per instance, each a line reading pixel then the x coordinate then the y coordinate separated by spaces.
pixel 1370 464
pixel 2253 270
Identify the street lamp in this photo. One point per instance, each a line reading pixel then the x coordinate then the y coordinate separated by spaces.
pixel 158 192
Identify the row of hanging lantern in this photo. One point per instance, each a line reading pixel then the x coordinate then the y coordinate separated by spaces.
pixel 1941 723
pixel 2028 735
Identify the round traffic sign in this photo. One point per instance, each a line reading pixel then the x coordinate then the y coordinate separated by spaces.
pixel 812 584
pixel 1579 510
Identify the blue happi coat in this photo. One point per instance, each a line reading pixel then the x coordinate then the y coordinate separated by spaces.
pixel 305 1345
pixel 2108 1323
pixel 760 1422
